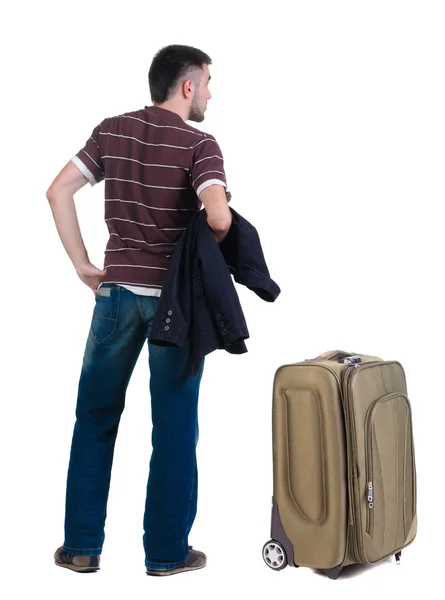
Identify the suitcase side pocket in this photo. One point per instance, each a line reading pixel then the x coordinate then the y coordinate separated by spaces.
pixel 390 472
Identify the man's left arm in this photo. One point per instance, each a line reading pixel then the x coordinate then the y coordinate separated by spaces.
pixel 85 167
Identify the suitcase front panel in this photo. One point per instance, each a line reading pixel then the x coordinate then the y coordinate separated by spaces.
pixel 309 460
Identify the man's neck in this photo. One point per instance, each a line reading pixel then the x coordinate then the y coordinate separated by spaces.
pixel 181 112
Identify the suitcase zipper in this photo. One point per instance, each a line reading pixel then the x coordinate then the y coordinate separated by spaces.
pixel 370 511
pixel 353 475
pixel 355 493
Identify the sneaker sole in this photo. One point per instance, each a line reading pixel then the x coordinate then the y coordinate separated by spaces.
pixel 78 569
pixel 174 571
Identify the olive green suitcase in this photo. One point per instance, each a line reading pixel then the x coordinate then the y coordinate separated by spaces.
pixel 344 474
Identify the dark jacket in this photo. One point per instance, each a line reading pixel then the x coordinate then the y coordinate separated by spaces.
pixel 199 302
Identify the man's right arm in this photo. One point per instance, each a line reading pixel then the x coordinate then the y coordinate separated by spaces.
pixel 218 212
pixel 208 179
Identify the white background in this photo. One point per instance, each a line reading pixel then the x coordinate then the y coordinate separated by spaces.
pixel 330 116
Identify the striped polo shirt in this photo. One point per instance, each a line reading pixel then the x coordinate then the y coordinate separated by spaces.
pixel 155 166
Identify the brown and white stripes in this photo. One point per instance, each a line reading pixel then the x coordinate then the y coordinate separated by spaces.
pixel 154 165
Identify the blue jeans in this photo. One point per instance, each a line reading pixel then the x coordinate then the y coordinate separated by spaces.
pixel 121 323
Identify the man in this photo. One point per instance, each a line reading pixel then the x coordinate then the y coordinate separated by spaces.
pixel 158 172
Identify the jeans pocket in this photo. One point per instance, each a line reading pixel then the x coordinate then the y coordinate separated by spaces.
pixel 106 312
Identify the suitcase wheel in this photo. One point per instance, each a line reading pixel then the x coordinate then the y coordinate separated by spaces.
pixel 274 555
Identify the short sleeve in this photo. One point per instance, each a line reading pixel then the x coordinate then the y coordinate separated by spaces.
pixel 207 165
pixel 89 159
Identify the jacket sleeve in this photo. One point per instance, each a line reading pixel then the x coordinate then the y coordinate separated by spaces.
pixel 219 288
pixel 243 255
pixel 171 322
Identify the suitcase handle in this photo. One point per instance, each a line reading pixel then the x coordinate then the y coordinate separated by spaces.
pixel 334 355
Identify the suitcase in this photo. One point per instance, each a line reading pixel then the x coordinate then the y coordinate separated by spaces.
pixel 344 474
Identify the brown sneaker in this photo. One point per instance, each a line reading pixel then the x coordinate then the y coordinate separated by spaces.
pixel 195 560
pixel 81 564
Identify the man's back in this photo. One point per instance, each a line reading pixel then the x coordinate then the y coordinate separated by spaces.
pixel 154 165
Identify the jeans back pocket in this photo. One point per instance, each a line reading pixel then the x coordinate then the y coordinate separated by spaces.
pixel 106 311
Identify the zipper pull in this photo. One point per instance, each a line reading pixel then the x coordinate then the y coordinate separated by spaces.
pixel 370 495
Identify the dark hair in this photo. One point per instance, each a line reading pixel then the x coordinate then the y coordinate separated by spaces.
pixel 168 68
